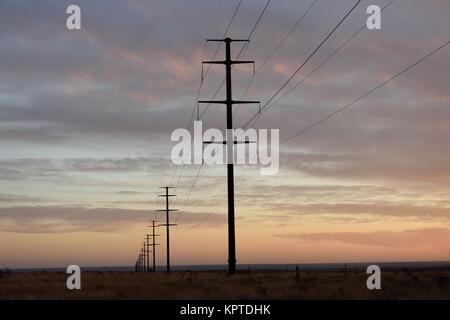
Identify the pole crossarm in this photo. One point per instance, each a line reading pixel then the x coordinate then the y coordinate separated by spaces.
pixel 227 40
pixel 232 101
pixel 229 62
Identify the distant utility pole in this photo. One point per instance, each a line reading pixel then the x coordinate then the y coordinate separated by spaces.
pixel 229 102
pixel 143 257
pixel 147 247
pixel 154 244
pixel 138 263
pixel 167 224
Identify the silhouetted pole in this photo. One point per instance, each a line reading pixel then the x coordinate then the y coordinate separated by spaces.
pixel 147 247
pixel 154 244
pixel 138 263
pixel 143 258
pixel 230 154
pixel 167 224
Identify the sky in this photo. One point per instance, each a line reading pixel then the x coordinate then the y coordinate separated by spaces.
pixel 86 118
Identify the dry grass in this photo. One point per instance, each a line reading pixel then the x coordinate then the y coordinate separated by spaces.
pixel 218 285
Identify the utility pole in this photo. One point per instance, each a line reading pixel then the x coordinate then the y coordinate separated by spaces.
pixel 229 102
pixel 143 257
pixel 154 244
pixel 167 224
pixel 147 247
pixel 138 263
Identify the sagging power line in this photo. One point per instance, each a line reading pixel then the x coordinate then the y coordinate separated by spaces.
pixel 200 115
pixel 263 108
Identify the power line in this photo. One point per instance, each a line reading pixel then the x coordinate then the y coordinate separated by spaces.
pixel 204 75
pixel 221 200
pixel 309 74
pixel 240 52
pixel 286 36
pixel 364 95
pixel 357 99
pixel 264 61
pixel 299 21
pixel 190 192
pixel 363 27
pixel 224 35
pixel 252 31
pixel 301 66
pixel 234 16
pixel 306 61
pixel 258 21
pixel 201 82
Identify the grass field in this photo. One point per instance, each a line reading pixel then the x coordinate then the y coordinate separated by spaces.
pixel 218 285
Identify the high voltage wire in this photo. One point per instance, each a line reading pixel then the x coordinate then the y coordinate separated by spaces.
pixel 203 53
pixel 301 66
pixel 347 106
pixel 274 50
pixel 358 99
pixel 224 35
pixel 201 82
pixel 287 35
pixel 240 52
pixel 204 75
pixel 324 61
pixel 346 42
pixel 221 201
pixel 198 94
pixel 190 191
pixel 365 94
pixel 309 74
pixel 292 29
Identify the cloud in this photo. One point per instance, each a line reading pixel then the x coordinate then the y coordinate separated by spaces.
pixel 61 219
pixel 7 198
pixel 121 84
pixel 126 192
pixel 108 79
pixel 14 169
pixel 433 237
pixel 379 209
